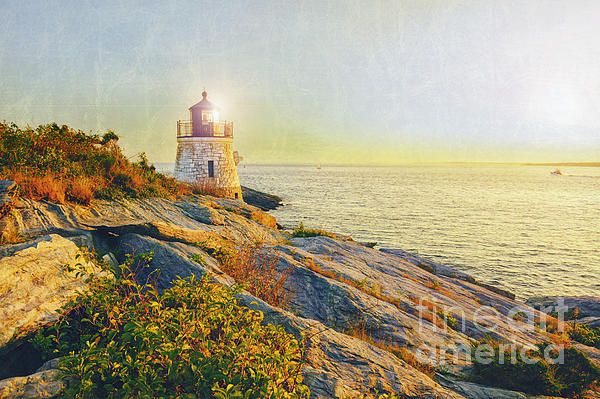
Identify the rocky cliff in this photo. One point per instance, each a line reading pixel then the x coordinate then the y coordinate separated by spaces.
pixel 372 320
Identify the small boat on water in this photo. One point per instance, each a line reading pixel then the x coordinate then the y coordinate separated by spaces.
pixel 557 172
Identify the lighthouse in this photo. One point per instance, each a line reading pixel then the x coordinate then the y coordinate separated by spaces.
pixel 205 155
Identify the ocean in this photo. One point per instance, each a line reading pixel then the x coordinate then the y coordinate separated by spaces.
pixel 517 227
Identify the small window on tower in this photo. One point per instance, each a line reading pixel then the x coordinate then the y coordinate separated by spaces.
pixel 211 168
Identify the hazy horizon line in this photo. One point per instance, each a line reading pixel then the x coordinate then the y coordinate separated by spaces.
pixel 433 163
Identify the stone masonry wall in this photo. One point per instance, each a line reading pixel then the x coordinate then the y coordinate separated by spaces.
pixel 191 165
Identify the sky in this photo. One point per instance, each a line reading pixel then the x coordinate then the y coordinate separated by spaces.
pixel 330 82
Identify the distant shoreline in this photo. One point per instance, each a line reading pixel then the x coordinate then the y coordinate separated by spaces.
pixel 576 164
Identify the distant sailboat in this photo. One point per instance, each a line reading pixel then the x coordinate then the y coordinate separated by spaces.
pixel 319 166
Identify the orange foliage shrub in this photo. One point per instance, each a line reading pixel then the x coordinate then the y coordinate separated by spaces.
pixel 263 218
pixel 47 187
pixel 258 270
pixel 548 323
pixel 253 267
pixel 82 190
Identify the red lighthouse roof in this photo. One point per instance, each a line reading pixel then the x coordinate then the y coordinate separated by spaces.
pixel 204 103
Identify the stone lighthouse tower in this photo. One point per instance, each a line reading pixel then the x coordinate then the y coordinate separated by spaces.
pixel 205 154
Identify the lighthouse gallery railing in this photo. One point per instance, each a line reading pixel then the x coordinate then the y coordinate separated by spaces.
pixel 209 129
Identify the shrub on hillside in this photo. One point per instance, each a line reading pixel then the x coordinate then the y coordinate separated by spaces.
pixel 543 376
pixel 124 340
pixel 58 163
pixel 585 334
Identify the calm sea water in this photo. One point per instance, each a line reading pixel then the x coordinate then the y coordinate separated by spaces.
pixel 517 227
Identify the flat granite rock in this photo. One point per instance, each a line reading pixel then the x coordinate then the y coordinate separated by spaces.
pixel 170 260
pixel 41 385
pixel 444 270
pixel 35 282
pixel 471 390
pixel 428 265
pixel 190 220
pixel 7 188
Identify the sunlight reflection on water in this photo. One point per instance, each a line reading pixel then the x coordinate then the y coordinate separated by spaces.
pixel 517 227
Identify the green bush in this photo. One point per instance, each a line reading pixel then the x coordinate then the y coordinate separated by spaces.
pixel 585 334
pixel 125 340
pixel 108 136
pixel 302 231
pixel 448 318
pixel 569 378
